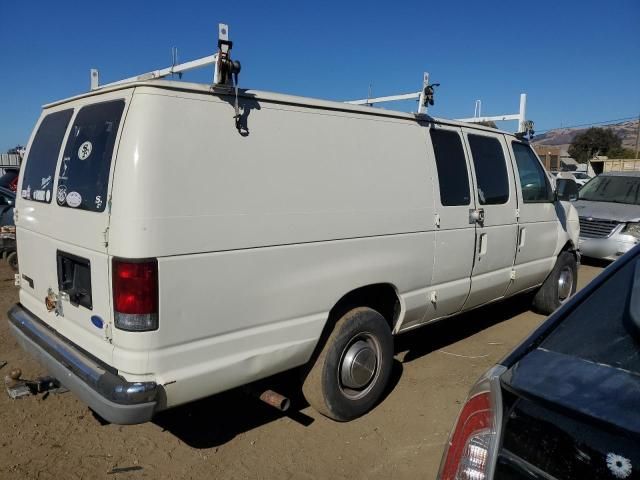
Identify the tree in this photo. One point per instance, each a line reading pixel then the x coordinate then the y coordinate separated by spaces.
pixel 594 141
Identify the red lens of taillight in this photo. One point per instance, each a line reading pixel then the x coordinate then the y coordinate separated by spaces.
pixel 467 455
pixel 13 185
pixel 135 286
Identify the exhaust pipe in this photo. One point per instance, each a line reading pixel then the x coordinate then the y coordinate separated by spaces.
pixel 276 400
pixel 271 398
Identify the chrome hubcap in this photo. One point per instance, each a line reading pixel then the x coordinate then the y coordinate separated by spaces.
pixel 359 366
pixel 565 284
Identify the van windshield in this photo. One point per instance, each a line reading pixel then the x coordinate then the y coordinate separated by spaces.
pixel 84 172
pixel 616 189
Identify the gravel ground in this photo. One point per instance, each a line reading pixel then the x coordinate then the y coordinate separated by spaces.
pixel 235 436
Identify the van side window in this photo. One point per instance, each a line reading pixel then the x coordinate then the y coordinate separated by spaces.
pixel 37 181
pixel 491 170
pixel 452 167
pixel 533 180
pixel 86 163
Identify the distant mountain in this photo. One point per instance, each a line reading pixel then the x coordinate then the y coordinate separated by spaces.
pixel 562 137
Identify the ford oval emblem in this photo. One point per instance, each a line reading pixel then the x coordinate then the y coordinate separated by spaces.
pixel 97 321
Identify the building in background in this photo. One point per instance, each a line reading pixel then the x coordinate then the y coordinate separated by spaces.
pixel 550 156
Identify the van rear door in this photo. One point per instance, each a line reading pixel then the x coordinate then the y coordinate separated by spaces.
pixel 63 218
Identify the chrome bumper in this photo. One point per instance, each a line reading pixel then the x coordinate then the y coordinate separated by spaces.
pixel 610 248
pixel 108 394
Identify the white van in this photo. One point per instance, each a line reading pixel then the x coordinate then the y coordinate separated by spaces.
pixel 167 254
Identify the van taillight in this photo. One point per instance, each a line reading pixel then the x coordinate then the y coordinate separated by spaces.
pixel 472 447
pixel 135 294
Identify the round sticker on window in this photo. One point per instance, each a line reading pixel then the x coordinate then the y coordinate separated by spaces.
pixel 74 199
pixel 62 194
pixel 85 150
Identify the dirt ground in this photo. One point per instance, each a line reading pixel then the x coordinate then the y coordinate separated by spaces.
pixel 235 436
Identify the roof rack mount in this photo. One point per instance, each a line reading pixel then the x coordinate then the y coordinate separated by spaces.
pixel 224 67
pixel 424 96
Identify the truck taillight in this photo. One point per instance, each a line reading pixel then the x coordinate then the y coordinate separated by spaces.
pixel 135 294
pixel 471 450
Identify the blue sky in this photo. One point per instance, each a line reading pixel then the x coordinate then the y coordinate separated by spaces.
pixel 578 61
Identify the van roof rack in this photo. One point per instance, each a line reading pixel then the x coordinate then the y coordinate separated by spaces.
pixel 225 70
pixel 225 73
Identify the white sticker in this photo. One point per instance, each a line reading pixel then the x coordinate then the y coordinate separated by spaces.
pixel 98 201
pixel 85 150
pixel 62 194
pixel 39 195
pixel 48 196
pixel 45 182
pixel 74 199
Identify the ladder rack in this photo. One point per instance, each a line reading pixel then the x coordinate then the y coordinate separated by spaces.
pixel 225 72
pixel 223 66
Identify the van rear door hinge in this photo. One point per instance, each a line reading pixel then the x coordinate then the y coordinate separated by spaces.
pixel 517 213
pixel 436 220
pixel 513 274
pixel 105 236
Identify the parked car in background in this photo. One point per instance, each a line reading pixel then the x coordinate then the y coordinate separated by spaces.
pixel 581 178
pixel 9 179
pixel 7 202
pixel 8 248
pixel 609 211
pixel 564 404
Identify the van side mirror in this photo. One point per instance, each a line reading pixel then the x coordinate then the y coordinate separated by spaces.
pixel 566 189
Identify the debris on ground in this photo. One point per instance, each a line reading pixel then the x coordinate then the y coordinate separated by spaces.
pixel 17 387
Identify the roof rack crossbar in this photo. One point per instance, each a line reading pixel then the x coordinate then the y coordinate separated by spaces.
pixel 223 67
pixel 424 96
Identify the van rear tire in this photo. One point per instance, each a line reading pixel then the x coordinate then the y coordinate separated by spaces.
pixel 12 260
pixel 352 371
pixel 559 286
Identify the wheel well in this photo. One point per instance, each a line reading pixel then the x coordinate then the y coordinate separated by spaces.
pixel 382 297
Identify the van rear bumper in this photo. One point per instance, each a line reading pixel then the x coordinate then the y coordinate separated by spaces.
pixel 108 394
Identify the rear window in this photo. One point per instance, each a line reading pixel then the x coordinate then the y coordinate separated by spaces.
pixel 452 167
pixel 491 170
pixel 37 183
pixel 86 163
pixel 605 328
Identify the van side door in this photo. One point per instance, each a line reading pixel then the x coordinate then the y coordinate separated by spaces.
pixel 538 221
pixel 495 217
pixel 455 236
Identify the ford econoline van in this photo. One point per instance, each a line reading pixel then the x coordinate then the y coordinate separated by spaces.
pixel 167 254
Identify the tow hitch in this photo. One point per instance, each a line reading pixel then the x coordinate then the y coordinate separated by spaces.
pixel 18 387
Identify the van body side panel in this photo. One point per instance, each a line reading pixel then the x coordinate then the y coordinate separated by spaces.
pixel 229 318
pixel 258 235
pixel 191 183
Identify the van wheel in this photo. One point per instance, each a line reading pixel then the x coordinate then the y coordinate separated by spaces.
pixel 559 285
pixel 353 368
pixel 12 260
